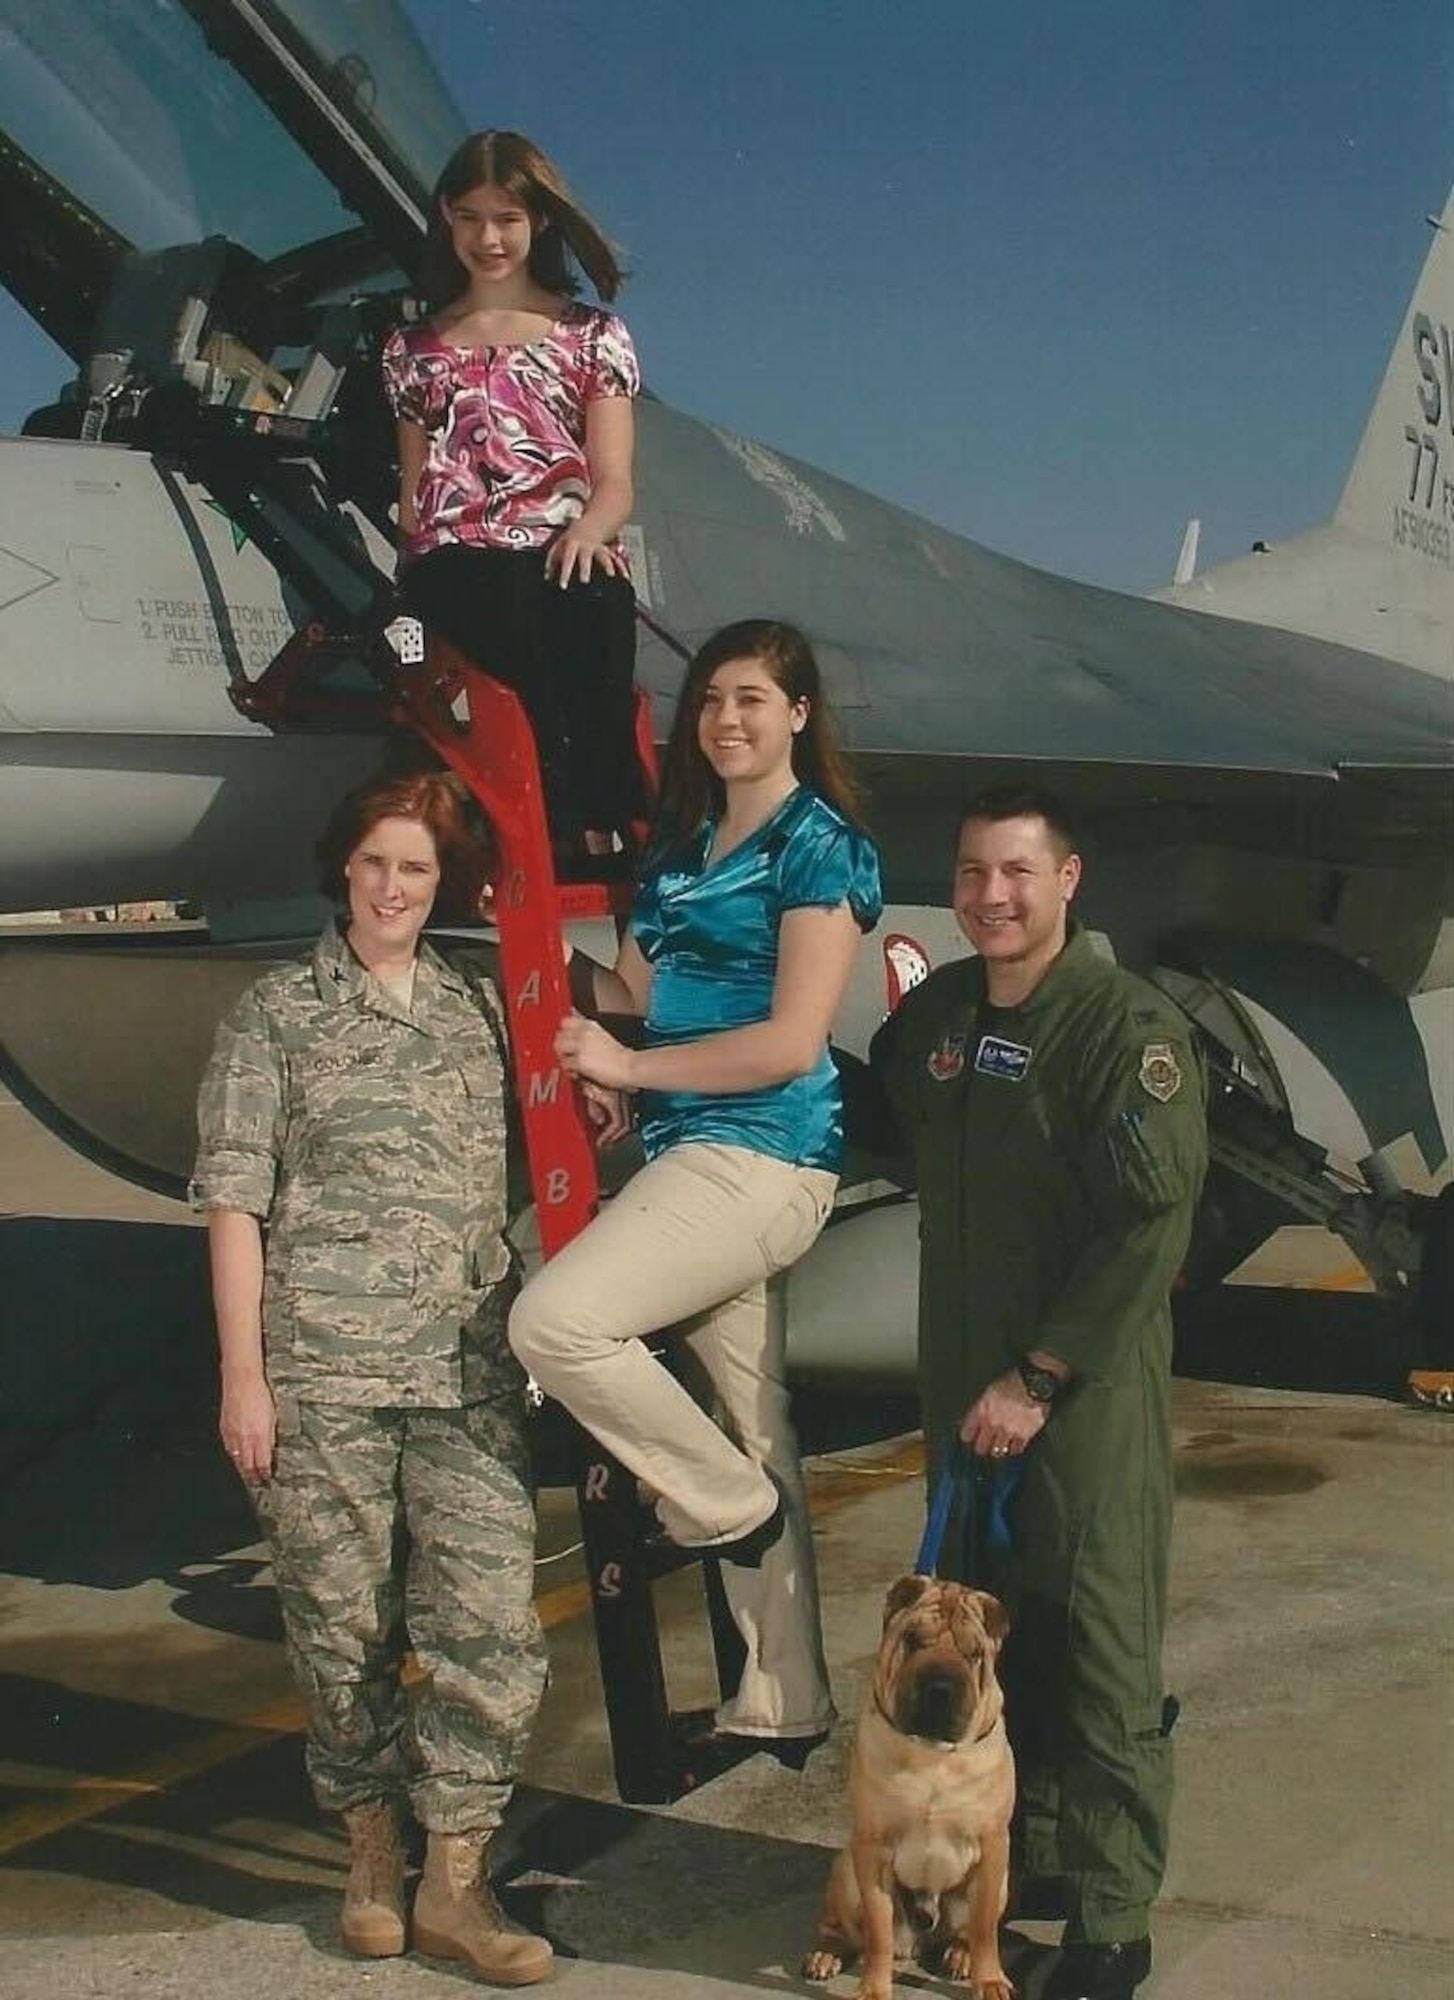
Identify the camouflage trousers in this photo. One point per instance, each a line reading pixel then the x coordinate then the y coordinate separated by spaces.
pixel 399 1528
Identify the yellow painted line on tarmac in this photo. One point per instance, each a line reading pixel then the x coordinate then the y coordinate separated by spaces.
pixel 79 1797
pixel 85 1798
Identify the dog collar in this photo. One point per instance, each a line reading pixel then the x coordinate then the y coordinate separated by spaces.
pixel 937 1741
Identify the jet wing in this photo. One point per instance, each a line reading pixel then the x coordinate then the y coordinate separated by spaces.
pixel 937 649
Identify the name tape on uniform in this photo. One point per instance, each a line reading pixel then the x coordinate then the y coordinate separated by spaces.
pixel 1006 1060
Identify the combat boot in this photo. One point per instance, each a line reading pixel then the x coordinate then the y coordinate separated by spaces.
pixel 373 1901
pixel 456 1915
pixel 1099 1971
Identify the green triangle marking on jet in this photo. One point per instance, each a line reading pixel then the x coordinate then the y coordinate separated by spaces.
pixel 239 535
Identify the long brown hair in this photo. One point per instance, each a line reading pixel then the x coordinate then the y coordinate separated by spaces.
pixel 463 843
pixel 691 791
pixel 561 228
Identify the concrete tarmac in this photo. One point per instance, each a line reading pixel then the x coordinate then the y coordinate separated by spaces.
pixel 157 1835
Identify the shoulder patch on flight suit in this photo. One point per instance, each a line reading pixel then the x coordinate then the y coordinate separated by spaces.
pixel 997 1057
pixel 946 1058
pixel 1160 1075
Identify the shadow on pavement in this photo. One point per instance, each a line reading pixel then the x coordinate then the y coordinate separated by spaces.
pixel 606 1883
pixel 1342 1343
pixel 107 1326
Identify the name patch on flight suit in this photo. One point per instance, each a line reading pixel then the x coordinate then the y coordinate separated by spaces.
pixel 1006 1060
pixel 946 1058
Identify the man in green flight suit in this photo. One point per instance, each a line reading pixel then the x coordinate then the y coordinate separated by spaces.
pixel 1054 1107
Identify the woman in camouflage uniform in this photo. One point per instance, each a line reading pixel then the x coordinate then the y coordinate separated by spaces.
pixel 352 1168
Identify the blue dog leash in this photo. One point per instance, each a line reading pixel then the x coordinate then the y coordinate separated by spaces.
pixel 940 1502
pixel 996 1485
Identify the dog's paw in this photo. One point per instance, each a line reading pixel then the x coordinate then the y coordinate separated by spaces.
pixel 821 1964
pixel 955 1962
pixel 988 1982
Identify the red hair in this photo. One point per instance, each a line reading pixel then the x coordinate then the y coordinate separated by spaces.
pixel 437 801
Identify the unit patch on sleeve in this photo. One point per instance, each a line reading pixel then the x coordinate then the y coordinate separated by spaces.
pixel 997 1057
pixel 946 1058
pixel 1160 1071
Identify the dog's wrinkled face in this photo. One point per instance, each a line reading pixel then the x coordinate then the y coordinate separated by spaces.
pixel 936 1664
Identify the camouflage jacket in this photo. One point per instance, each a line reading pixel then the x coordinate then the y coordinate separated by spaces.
pixel 370 1143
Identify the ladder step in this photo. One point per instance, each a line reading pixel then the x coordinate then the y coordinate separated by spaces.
pixel 638 1544
pixel 702 1755
pixel 576 900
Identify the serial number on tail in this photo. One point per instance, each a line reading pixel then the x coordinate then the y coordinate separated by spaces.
pixel 1422 533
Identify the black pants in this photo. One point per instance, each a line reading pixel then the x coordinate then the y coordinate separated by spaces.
pixel 569 654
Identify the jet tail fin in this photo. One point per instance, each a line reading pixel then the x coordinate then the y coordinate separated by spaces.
pixel 1406 457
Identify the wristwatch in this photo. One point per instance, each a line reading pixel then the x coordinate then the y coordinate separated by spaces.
pixel 1042 1385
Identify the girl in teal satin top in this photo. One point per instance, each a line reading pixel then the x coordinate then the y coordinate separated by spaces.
pixel 743 935
pixel 709 930
pixel 747 916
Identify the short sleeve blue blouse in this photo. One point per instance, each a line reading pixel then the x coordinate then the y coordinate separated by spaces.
pixel 710 935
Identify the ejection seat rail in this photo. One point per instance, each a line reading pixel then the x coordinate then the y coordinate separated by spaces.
pixel 477 727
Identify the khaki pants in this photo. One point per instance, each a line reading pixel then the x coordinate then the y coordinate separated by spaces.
pixel 690 1246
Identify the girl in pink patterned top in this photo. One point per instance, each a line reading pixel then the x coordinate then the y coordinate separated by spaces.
pixel 515 423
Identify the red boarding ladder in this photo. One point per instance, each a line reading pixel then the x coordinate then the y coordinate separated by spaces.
pixel 478 727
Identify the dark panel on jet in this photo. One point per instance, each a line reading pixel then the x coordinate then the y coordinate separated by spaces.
pixel 56 255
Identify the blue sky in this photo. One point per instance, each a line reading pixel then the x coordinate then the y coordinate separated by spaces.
pixel 1055 273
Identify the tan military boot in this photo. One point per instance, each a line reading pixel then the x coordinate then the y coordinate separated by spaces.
pixel 373 1901
pixel 456 1915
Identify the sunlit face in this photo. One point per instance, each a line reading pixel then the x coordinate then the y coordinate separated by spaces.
pixel 392 878
pixel 1012 890
pixel 491 232
pixel 747 723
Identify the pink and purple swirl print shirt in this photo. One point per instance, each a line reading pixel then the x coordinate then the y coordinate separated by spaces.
pixel 505 460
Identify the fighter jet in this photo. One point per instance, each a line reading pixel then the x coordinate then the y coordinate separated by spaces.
pixel 216 208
